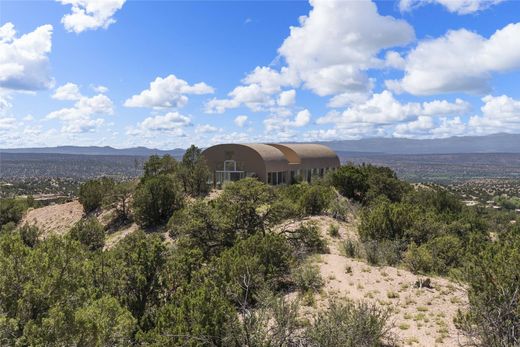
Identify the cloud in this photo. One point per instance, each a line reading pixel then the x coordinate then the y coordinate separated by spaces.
pixel 286 98
pixel 302 118
pixel 427 127
pixel 240 121
pixel 454 6
pixel 257 91
pixel 499 114
pixel 68 91
pixel 7 123
pixel 205 129
pixel 383 109
pixel 167 92
pixel 90 14
pixel 329 53
pixel 336 42
pixel 100 89
pixel 79 118
pixel 282 124
pixel 171 123
pixel 24 63
pixel 460 61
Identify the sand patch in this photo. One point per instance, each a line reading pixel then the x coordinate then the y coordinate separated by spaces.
pixel 54 219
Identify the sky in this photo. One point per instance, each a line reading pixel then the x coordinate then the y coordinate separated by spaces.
pixel 168 74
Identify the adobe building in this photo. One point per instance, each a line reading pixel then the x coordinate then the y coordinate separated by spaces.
pixel 269 162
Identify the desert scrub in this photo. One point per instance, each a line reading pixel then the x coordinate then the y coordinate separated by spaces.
pixel 392 295
pixel 307 278
pixel 333 230
pixel 350 324
pixel 351 248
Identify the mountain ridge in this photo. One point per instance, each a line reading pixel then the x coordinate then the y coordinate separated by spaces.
pixel 495 143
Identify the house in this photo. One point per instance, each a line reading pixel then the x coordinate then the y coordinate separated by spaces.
pixel 269 162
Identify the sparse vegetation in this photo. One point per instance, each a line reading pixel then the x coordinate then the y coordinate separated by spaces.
pixel 223 279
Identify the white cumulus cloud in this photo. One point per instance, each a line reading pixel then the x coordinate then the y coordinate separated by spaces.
pixel 68 91
pixel 240 121
pixel 499 114
pixel 81 117
pixel 460 61
pixel 454 6
pixel 90 14
pixel 167 92
pixel 286 98
pixel 24 63
pixel 172 123
pixel 337 41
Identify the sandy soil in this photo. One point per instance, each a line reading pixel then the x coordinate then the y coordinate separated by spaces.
pixel 112 239
pixel 421 317
pixel 56 219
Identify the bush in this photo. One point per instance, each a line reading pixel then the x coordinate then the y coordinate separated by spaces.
pixel 307 278
pixel 350 181
pixel 386 220
pixel 12 210
pixel 350 324
pixel 156 199
pixel 92 193
pixel 306 239
pixel 333 230
pixel 30 234
pixel 316 199
pixel 418 259
pixel 339 208
pixel 90 233
pixel 372 252
pixel 446 253
pixel 351 248
pixel 253 264
pixel 492 274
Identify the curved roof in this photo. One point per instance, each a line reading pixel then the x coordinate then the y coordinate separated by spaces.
pixel 308 150
pixel 275 157
pixel 267 152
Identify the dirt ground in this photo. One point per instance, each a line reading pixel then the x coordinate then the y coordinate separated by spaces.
pixel 57 219
pixel 421 316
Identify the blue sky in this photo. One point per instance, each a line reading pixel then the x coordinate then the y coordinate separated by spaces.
pixel 170 73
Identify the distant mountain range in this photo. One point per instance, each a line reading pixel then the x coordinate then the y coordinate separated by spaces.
pixel 496 143
pixel 96 150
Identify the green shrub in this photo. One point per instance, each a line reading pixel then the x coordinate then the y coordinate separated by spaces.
pixel 92 193
pixel 316 199
pixel 418 259
pixel 339 208
pixel 89 232
pixel 12 210
pixel 446 253
pixel 30 234
pixel 372 252
pixel 306 239
pixel 492 274
pixel 350 181
pixel 307 278
pixel 155 200
pixel 351 248
pixel 350 324
pixel 333 230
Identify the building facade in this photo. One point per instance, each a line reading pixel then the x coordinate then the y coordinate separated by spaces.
pixel 271 163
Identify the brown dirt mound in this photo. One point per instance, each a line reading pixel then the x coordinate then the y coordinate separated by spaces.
pixel 55 219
